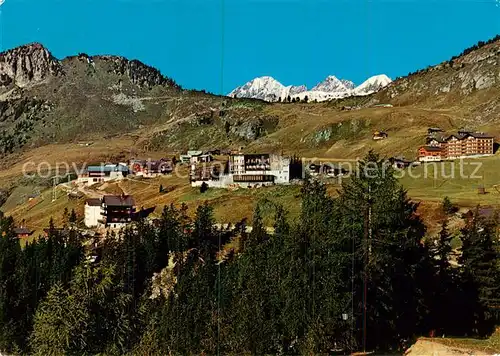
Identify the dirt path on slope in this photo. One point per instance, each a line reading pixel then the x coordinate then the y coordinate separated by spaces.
pixel 430 348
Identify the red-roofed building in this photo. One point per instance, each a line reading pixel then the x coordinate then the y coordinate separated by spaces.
pixel 430 154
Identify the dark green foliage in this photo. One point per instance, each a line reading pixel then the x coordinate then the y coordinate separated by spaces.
pixel 445 292
pixel 27 275
pixel 448 207
pixel 480 271
pixel 388 258
pixel 72 217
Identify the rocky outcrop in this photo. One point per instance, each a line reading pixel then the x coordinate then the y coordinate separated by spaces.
pixel 478 69
pixel 139 73
pixel 27 65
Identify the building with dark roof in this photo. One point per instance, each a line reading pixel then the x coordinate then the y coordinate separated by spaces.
pixel 112 211
pixel 460 145
pixel 430 154
pixel 103 173
pixel 23 232
pixel 117 211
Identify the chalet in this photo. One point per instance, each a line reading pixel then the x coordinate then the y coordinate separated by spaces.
pixel 380 135
pixel 326 169
pixel 54 231
pixel 215 152
pixel 114 211
pixel 23 232
pixel 152 169
pixel 203 158
pixel 430 154
pixel 103 173
pixel 186 158
pixel 483 212
pixel 431 131
pixel 399 162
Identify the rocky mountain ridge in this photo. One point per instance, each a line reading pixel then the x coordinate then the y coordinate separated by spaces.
pixel 31 64
pixel 27 65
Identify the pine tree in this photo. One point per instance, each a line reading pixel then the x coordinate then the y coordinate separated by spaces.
pixel 443 318
pixel 479 269
pixel 72 217
pixel 65 217
pixel 390 263
pixel 10 252
pixel 447 206
pixel 86 318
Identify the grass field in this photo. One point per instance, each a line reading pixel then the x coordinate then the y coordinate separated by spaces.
pixel 459 180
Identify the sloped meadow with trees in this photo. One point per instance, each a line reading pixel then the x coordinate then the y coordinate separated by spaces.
pixel 351 273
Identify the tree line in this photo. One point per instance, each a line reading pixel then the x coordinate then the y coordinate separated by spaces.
pixel 351 273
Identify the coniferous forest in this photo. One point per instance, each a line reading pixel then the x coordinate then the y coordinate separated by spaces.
pixel 352 273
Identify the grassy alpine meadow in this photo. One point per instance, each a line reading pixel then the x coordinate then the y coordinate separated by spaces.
pixel 460 180
pixel 428 183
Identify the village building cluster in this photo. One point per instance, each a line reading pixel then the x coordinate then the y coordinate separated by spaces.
pixel 244 171
pixel 463 144
pixel 96 174
pixel 233 169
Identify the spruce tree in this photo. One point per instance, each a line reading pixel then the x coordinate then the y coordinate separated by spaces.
pixel 443 303
pixel 10 252
pixel 73 217
pixel 479 269
pixel 390 262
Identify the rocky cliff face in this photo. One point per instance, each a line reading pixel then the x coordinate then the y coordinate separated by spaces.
pixel 27 65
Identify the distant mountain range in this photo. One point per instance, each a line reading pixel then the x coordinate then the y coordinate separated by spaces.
pixel 45 100
pixel 269 89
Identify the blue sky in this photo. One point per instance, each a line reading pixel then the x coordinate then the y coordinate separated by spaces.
pixel 295 41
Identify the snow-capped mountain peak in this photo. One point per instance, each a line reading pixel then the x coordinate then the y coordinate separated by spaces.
pixel 330 84
pixel 373 84
pixel 269 89
pixel 348 84
pixel 266 88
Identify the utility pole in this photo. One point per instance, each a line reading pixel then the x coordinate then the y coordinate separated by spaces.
pixel 367 251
